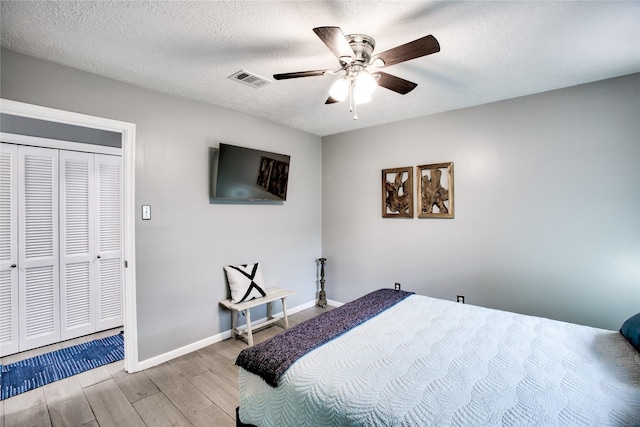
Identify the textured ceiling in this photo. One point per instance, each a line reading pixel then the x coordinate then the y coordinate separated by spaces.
pixel 490 51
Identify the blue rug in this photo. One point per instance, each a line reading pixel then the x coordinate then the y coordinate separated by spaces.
pixel 28 374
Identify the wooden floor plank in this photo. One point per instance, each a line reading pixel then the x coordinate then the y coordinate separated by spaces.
pixel 157 410
pixel 110 406
pixel 220 365
pixel 307 314
pixel 266 334
pixel 184 395
pixel 27 400
pixel 67 403
pixel 231 348
pixel 189 365
pixel 93 376
pixel 135 386
pixel 218 391
pixel 37 416
pixel 212 416
pixel 116 367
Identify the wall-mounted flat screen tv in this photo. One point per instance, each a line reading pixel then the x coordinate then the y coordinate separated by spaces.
pixel 247 174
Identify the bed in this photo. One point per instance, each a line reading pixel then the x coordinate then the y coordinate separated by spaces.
pixel 424 361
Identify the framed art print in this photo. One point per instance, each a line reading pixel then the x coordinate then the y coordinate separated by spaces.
pixel 397 192
pixel 435 190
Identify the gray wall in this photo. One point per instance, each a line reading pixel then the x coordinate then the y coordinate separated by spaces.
pixel 547 192
pixel 547 206
pixel 181 251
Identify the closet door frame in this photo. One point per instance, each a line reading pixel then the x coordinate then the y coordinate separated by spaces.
pixel 128 132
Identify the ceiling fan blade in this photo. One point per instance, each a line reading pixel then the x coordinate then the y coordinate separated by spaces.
pixel 394 83
pixel 331 100
pixel 415 49
pixel 297 74
pixel 335 40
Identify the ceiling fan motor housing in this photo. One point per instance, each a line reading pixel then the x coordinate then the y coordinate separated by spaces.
pixel 362 46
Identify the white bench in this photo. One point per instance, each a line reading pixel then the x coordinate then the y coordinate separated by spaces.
pixel 273 294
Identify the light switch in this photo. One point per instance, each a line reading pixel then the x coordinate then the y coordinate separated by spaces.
pixel 146 211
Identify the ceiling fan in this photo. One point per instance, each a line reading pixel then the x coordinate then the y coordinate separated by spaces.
pixel 354 52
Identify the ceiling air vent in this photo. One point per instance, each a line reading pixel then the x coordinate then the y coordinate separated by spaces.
pixel 249 79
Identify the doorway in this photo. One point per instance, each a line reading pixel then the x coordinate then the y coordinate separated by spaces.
pixel 82 123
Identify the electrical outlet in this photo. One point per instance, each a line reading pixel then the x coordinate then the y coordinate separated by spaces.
pixel 397 285
pixel 461 299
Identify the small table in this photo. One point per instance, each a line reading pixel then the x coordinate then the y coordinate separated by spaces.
pixel 272 294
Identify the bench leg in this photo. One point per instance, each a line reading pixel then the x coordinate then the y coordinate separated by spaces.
pixel 247 314
pixel 270 310
pixel 284 313
pixel 234 323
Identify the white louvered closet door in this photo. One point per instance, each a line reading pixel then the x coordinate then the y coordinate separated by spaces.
pixel 77 245
pixel 109 241
pixel 38 264
pixel 61 268
pixel 8 249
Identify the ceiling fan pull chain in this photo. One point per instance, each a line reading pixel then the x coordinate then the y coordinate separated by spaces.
pixel 351 103
pixel 355 111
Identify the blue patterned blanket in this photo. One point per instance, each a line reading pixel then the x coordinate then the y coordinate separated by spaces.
pixel 271 359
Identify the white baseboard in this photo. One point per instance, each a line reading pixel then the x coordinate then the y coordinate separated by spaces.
pixel 165 357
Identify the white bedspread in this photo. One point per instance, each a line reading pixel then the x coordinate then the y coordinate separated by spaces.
pixel 430 362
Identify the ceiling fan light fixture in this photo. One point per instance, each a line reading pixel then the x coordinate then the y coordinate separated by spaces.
pixel 365 83
pixel 361 97
pixel 340 89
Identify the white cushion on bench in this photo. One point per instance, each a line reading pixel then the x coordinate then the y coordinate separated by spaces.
pixel 245 281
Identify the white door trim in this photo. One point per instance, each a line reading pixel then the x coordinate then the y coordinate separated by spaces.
pixel 128 131
pixel 36 141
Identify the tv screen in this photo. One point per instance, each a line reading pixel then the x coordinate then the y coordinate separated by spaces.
pixel 246 174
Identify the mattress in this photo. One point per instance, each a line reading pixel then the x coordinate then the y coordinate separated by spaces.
pixel 427 361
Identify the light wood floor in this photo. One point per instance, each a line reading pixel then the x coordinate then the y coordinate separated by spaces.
pixel 197 389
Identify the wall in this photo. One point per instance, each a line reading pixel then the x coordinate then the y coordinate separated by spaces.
pixel 547 206
pixel 181 251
